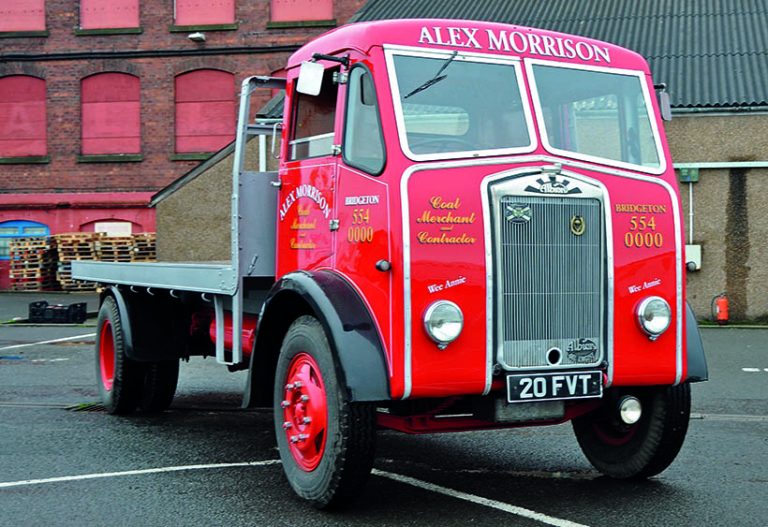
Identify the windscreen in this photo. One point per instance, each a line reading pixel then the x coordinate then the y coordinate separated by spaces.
pixel 450 105
pixel 596 114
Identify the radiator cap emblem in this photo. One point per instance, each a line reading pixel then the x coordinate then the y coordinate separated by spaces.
pixel 578 225
pixel 518 213
pixel 553 184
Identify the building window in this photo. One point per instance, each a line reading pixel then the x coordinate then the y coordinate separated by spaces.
pixel 22 116
pixel 198 12
pixel 301 10
pixel 22 15
pixel 114 228
pixel 11 230
pixel 205 111
pixel 98 14
pixel 110 114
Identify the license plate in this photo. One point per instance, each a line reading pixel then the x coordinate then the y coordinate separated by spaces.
pixel 554 386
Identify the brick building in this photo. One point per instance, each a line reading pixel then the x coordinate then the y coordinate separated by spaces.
pixel 103 103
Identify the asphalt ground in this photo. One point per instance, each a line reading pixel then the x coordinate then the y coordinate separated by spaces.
pixel 15 306
pixel 207 462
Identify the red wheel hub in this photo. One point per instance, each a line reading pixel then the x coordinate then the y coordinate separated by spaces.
pixel 107 355
pixel 305 412
pixel 611 435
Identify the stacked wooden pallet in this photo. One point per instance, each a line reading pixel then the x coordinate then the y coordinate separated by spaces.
pixel 33 264
pixel 74 246
pixel 37 264
pixel 144 247
pixel 113 248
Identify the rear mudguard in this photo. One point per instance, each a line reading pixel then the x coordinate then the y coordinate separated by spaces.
pixel 153 325
pixel 697 362
pixel 349 326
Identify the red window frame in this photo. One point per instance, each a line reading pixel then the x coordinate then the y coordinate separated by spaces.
pixel 22 15
pixel 205 110
pixel 23 121
pixel 114 14
pixel 209 12
pixel 300 10
pixel 110 114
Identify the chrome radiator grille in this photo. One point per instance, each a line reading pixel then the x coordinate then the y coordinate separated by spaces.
pixel 550 280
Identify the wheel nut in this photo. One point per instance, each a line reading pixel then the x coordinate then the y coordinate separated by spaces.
pixel 305 398
pixel 298 384
pixel 285 404
pixel 303 437
pixel 287 425
pixel 290 386
pixel 294 439
pixel 306 420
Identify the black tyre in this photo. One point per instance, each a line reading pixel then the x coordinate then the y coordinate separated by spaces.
pixel 326 443
pixel 160 380
pixel 120 379
pixel 645 448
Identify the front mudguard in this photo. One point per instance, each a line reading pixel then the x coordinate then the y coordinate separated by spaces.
pixel 351 331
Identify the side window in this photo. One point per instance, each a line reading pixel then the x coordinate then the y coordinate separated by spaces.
pixel 363 139
pixel 314 117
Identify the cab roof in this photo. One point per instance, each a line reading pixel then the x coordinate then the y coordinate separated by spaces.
pixel 472 36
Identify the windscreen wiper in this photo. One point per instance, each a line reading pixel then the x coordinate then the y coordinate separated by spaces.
pixel 434 80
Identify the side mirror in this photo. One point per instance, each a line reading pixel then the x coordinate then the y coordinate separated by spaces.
pixel 665 106
pixel 310 78
pixel 367 91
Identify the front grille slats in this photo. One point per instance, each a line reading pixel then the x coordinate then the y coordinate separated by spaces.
pixel 551 281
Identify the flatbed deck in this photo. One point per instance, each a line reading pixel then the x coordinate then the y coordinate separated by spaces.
pixel 201 277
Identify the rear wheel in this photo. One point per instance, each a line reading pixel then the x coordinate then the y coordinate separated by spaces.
pixel 326 443
pixel 119 378
pixel 645 448
pixel 160 380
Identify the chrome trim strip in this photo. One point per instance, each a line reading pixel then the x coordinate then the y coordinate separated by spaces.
pixel 407 332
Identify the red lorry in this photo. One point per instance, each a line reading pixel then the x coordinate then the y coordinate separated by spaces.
pixel 473 226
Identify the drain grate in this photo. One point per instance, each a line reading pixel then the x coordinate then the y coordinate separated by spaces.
pixel 86 407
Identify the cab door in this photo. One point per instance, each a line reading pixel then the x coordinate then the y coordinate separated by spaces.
pixel 305 231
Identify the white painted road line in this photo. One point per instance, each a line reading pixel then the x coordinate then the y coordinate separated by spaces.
pixel 485 502
pixel 54 341
pixel 498 505
pixel 137 473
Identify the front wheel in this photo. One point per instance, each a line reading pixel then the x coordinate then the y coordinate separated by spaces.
pixel 326 443
pixel 645 448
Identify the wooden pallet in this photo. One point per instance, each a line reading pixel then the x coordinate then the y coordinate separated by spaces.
pixel 67 283
pixel 75 246
pixel 144 247
pixel 39 272
pixel 33 284
pixel 114 248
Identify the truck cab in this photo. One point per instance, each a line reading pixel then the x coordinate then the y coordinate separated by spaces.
pixel 476 225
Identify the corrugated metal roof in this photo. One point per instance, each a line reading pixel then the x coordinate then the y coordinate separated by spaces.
pixel 711 53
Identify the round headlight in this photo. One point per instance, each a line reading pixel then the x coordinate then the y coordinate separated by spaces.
pixel 654 316
pixel 443 321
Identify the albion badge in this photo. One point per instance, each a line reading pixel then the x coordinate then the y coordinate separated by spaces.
pixel 578 225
